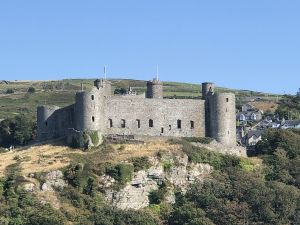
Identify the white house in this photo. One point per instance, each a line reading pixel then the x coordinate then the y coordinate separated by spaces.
pixel 249 116
pixel 253 137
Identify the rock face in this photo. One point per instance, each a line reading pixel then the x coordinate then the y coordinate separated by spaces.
pixel 54 179
pixel 135 194
pixel 29 187
pixel 230 150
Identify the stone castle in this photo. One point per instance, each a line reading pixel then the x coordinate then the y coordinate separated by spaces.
pixel 142 115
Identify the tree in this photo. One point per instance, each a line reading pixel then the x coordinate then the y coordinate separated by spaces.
pixel 17 131
pixel 189 214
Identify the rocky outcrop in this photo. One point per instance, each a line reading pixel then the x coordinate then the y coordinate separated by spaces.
pixel 54 180
pixel 179 175
pixel 29 187
pixel 218 147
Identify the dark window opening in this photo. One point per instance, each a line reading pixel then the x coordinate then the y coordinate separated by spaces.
pixel 170 127
pixel 93 118
pixel 46 123
pixel 162 130
pixel 150 123
pixel 179 124
pixel 92 97
pixel 123 123
pixel 192 124
pixel 228 132
pixel 138 123
pixel 110 123
pixel 227 100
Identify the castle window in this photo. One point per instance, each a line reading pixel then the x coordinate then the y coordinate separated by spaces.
pixel 46 123
pixel 123 123
pixel 92 97
pixel 150 123
pixel 170 127
pixel 110 123
pixel 227 99
pixel 179 124
pixel 192 124
pixel 228 132
pixel 162 130
pixel 138 123
pixel 93 118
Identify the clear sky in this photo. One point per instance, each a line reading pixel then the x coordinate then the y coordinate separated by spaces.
pixel 245 44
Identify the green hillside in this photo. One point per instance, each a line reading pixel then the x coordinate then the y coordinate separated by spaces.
pixel 15 99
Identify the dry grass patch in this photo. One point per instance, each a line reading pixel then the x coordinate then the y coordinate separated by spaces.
pixel 127 151
pixel 37 159
pixel 272 106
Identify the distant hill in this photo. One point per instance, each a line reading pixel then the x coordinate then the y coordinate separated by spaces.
pixel 61 93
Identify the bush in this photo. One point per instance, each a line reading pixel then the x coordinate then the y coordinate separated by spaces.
pixel 140 163
pixel 167 165
pixel 9 91
pixel 94 137
pixel 157 196
pixel 31 90
pixel 121 172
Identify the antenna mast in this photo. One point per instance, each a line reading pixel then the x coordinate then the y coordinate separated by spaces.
pixel 104 72
pixel 157 72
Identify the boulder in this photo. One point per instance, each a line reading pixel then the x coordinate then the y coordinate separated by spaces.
pixel 54 179
pixel 29 187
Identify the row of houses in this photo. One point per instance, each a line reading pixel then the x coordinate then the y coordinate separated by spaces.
pixel 252 137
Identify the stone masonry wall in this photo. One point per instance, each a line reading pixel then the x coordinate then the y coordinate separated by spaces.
pixel 167 116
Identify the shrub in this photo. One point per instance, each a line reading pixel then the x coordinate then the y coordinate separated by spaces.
pixel 31 90
pixel 140 163
pixel 121 172
pixel 9 91
pixel 94 137
pixel 157 196
pixel 167 165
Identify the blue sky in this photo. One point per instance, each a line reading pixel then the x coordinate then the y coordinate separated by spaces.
pixel 245 44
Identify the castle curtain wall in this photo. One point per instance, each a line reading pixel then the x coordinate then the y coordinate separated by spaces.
pixel 155 117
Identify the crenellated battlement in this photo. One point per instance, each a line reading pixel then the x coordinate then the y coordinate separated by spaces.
pixel 150 115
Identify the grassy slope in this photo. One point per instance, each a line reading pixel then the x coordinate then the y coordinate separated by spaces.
pixel 61 93
pixel 51 156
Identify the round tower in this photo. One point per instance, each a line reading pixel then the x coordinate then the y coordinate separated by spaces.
pixel 154 89
pixel 222 118
pixel 208 88
pixel 46 123
pixel 87 110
